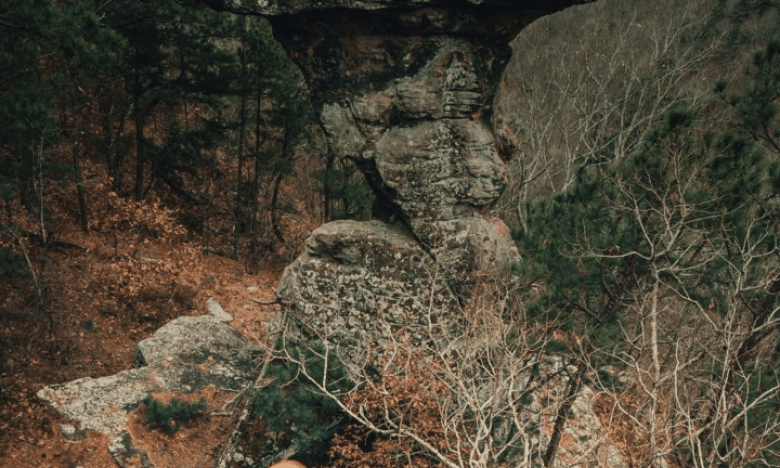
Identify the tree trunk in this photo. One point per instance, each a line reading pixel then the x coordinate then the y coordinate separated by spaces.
pixel 563 411
pixel 139 133
pixel 274 211
pixel 326 186
pixel 656 460
pixel 41 199
pixel 255 205
pixel 239 214
pixel 84 214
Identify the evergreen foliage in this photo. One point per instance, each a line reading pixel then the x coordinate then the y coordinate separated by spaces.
pixel 27 93
pixel 12 265
pixel 169 417
pixel 348 193
pixel 292 404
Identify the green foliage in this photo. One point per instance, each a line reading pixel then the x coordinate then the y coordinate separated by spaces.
pixel 757 106
pixel 169 417
pixel 293 404
pixel 26 92
pixel 555 347
pixel 599 243
pixel 742 15
pixel 12 265
pixel 171 58
pixel 743 9
pixel 609 381
pixel 90 326
pixel 185 65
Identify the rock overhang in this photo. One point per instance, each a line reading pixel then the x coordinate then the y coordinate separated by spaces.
pixel 281 7
pixel 405 89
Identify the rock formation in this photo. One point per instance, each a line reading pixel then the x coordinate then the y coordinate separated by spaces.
pixel 367 269
pixel 186 355
pixel 405 89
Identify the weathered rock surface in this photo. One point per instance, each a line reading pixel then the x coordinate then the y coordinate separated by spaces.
pixel 405 88
pixel 377 272
pixel 126 454
pixel 186 355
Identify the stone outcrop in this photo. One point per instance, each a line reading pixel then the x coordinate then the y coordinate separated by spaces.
pixel 370 269
pixel 405 89
pixel 185 355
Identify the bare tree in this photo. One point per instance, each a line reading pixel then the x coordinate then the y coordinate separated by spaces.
pixel 477 388
pixel 589 94
pixel 702 317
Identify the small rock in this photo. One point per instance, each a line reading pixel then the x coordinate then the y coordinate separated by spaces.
pixel 186 354
pixel 252 289
pixel 217 312
pixel 72 434
pixel 125 453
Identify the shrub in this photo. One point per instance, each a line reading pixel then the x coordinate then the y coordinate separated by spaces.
pixel 168 417
pixel 294 407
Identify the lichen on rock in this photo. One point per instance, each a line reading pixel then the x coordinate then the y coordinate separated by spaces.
pixel 359 283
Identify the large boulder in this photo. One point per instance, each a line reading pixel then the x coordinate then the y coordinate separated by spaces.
pixel 359 283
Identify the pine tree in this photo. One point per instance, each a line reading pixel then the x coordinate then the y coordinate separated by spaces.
pixel 176 61
pixel 274 119
pixel 27 92
pixel 293 405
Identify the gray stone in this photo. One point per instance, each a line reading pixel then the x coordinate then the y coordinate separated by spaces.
pixel 469 249
pixel 123 450
pixel 193 338
pixel 72 434
pixel 187 354
pixel 101 404
pixel 353 276
pixel 216 311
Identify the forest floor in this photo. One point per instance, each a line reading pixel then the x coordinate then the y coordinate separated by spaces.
pixel 102 293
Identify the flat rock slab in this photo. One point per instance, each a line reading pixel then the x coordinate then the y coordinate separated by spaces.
pixel 187 354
